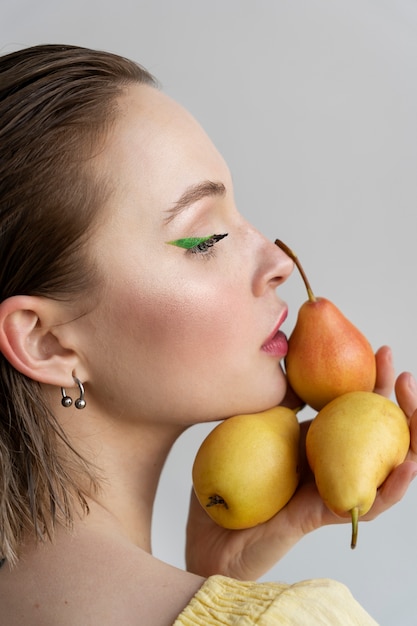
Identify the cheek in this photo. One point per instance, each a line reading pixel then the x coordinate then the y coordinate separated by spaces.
pixel 188 323
pixel 198 339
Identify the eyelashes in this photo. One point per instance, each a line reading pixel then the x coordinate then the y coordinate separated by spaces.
pixel 197 244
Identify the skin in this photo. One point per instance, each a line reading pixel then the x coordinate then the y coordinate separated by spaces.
pixel 161 305
pixel 169 339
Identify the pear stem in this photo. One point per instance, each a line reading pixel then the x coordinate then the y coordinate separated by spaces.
pixel 294 257
pixel 355 519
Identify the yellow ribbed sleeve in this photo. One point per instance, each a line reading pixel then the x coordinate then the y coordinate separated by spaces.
pixel 223 601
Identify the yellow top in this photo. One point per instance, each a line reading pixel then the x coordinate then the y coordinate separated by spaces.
pixel 223 601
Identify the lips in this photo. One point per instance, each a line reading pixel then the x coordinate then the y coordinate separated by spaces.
pixel 276 344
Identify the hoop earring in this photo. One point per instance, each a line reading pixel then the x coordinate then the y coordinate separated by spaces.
pixel 67 400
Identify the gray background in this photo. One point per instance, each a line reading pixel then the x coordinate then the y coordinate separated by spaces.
pixel 313 103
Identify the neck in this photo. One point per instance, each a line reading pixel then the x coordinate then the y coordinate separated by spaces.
pixel 130 458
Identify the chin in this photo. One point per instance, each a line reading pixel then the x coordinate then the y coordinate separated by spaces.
pixel 266 401
pixel 263 392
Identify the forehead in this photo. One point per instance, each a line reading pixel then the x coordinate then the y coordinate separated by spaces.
pixel 155 151
pixel 154 127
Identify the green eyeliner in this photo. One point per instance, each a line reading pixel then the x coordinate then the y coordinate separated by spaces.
pixel 190 242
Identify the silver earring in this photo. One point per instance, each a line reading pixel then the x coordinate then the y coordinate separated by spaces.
pixel 67 400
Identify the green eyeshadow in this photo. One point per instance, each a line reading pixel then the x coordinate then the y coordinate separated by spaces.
pixel 189 242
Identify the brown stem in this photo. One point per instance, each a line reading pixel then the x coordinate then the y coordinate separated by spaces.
pixel 355 520
pixel 294 257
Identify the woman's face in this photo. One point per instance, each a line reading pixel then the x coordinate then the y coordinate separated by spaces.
pixel 179 335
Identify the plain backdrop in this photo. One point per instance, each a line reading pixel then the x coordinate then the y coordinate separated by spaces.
pixel 313 103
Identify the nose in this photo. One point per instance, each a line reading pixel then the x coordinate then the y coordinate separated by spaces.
pixel 273 269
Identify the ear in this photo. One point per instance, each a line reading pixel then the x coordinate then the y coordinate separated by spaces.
pixel 30 342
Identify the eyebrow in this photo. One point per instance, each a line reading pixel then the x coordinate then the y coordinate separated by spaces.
pixel 194 193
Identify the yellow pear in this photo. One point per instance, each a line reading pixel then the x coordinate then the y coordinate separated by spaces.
pixel 246 469
pixel 352 445
pixel 327 354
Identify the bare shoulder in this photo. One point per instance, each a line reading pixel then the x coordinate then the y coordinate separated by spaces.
pixel 90 579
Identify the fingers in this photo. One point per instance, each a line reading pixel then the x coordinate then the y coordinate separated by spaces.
pixel 406 393
pixel 385 375
pixel 412 455
pixel 394 488
pixel 397 483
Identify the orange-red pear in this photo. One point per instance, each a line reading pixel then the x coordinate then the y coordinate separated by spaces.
pixel 327 355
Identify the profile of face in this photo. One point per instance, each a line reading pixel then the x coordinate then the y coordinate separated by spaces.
pixel 179 334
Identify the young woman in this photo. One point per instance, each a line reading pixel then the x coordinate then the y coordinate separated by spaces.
pixel 116 335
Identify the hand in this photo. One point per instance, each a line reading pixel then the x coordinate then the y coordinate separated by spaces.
pixel 248 554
